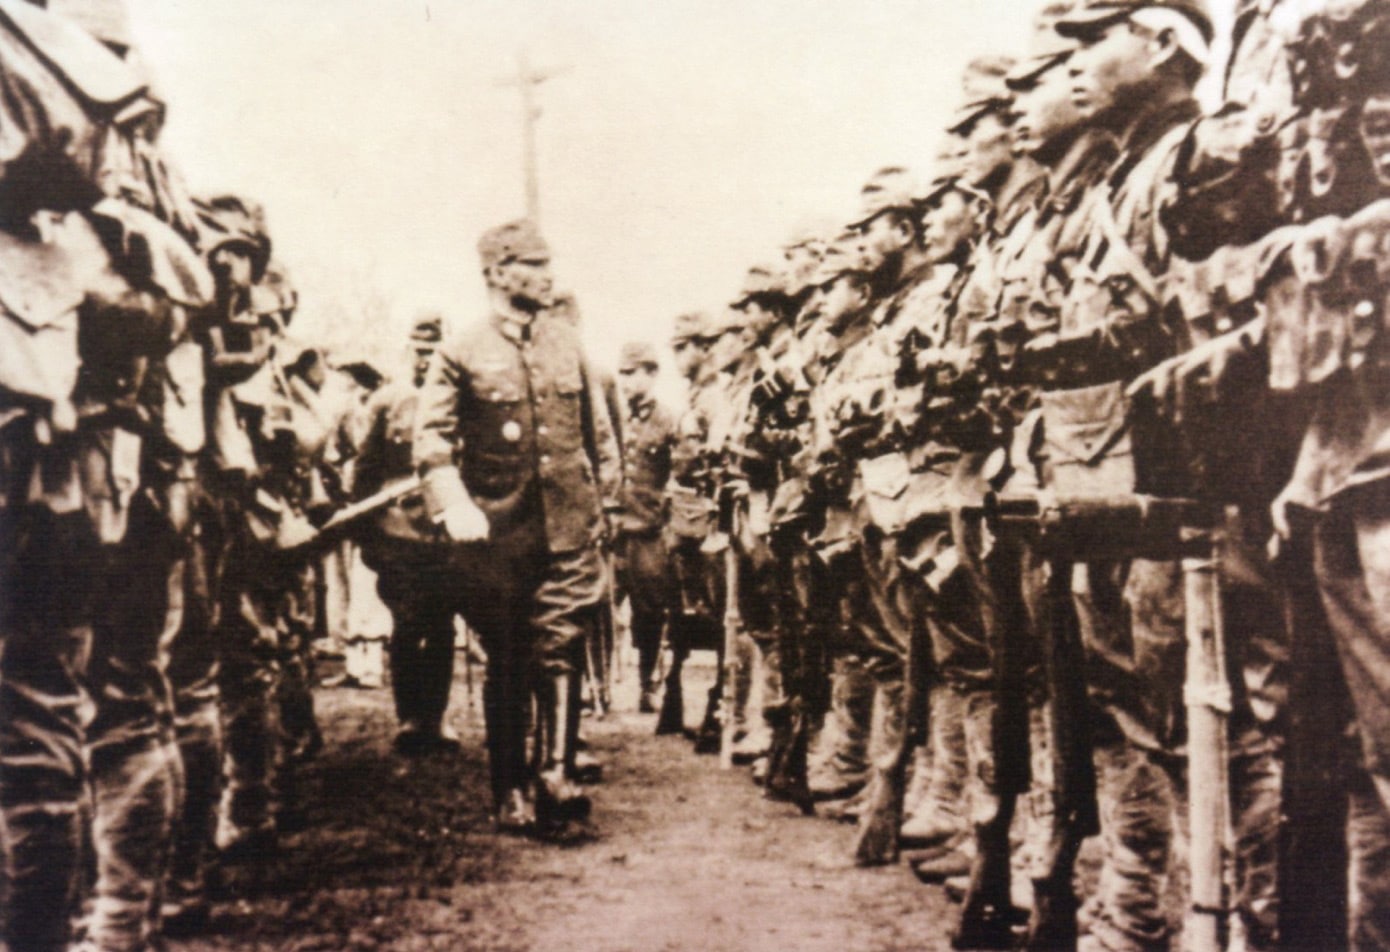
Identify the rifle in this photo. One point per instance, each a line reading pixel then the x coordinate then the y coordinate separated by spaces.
pixel 380 499
pixel 729 506
pixel 1126 526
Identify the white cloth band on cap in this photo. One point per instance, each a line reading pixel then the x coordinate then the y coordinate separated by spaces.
pixel 1187 34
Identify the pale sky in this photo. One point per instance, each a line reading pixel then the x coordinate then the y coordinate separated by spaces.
pixel 686 141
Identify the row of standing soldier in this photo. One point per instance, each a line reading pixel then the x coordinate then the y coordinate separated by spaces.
pixel 166 448
pixel 999 465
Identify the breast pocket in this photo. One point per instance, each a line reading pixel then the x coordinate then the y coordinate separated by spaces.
pixel 564 416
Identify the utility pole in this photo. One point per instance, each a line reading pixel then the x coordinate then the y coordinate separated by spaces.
pixel 527 80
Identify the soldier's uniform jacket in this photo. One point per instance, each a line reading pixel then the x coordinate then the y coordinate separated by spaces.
pixel 649 433
pixel 385 456
pixel 512 417
pixel 77 124
pixel 76 144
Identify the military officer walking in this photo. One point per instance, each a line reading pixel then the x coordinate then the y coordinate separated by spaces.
pixel 519 462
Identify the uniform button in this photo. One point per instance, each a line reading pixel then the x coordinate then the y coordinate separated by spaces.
pixel 542 429
pixel 545 460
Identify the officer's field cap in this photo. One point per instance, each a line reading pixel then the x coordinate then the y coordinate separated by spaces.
pixel 692 325
pixel 985 92
pixel 636 354
pixel 762 280
pixel 515 241
pixel 428 329
pixel 891 187
pixel 1190 21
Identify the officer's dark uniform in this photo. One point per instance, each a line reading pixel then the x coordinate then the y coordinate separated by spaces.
pixel 512 418
pixel 410 558
pixel 643 564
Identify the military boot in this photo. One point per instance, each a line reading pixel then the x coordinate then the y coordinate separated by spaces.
pixel 559 801
pixel 938 816
pixel 838 758
pixel 877 841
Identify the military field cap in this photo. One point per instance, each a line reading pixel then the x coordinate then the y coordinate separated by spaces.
pixel 692 325
pixel 363 370
pixel 1046 49
pixel 106 20
pixel 428 328
pixel 1191 26
pixel 1026 74
pixel 635 354
pixel 890 187
pixel 729 321
pixel 762 280
pixel 811 231
pixel 515 241
pixel 841 258
pixel 985 92
pixel 948 183
pixel 232 221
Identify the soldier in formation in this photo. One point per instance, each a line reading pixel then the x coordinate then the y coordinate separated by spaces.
pixel 1094 299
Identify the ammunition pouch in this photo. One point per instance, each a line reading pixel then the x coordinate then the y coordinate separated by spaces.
pixel 690 515
pixel 886 480
pixel 1087 444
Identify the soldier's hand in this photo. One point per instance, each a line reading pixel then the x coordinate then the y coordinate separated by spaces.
pixel 465 522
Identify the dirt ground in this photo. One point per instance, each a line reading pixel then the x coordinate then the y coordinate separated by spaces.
pixel 400 854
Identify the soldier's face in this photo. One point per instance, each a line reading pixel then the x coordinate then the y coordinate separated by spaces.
pixel 233 266
pixel 884 235
pixel 637 382
pixel 689 353
pixel 1375 134
pixel 989 148
pixel 1111 71
pixel 843 297
pixel 760 317
pixel 1046 114
pixel 526 280
pixel 948 224
pixel 802 260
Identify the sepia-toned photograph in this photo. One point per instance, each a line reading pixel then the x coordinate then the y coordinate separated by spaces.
pixel 708 476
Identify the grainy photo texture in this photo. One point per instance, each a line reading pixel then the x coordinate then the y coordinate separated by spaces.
pixel 711 477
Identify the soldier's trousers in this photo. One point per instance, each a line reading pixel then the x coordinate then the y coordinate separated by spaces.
pixel 136 771
pixel 759 615
pixel 193 668
pixel 48 565
pixel 879 613
pixel 262 627
pixel 417 584
pixel 1139 775
pixel 1352 565
pixel 532 610
pixel 644 574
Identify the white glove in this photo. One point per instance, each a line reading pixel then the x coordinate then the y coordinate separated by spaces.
pixel 465 522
